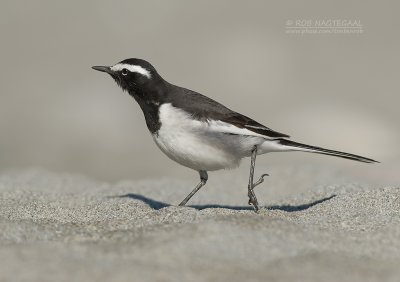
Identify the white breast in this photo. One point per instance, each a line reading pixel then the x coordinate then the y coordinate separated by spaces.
pixel 201 145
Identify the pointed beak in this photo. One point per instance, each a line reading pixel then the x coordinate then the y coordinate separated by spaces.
pixel 103 69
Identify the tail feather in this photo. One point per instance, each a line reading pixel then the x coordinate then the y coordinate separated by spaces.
pixel 319 150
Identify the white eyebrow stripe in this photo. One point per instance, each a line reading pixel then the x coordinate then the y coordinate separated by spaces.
pixel 132 68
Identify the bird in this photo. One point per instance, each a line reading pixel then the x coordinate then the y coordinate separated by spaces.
pixel 200 133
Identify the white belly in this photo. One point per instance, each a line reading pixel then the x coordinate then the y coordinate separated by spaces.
pixel 200 145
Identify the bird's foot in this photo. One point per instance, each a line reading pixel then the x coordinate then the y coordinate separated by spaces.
pixel 252 196
pixel 253 200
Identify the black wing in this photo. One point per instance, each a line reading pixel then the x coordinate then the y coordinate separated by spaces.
pixel 242 121
pixel 203 108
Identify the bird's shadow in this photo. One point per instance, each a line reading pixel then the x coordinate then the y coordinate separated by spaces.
pixel 157 205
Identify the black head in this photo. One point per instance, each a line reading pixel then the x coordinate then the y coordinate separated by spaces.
pixel 133 75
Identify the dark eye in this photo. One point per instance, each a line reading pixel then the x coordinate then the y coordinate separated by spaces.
pixel 124 71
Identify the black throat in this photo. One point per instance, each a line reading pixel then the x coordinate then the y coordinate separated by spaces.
pixel 151 114
pixel 150 97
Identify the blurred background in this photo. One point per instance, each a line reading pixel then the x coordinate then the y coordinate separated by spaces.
pixel 338 91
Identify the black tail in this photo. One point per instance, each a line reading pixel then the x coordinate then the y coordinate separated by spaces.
pixel 323 151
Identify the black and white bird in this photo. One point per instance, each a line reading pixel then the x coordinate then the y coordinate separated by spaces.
pixel 198 132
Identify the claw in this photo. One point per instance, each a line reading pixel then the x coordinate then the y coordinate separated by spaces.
pixel 261 180
pixel 255 205
pixel 253 200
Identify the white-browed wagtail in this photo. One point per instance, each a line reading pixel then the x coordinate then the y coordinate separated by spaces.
pixel 198 132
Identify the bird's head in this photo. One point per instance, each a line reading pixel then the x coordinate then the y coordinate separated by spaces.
pixel 133 75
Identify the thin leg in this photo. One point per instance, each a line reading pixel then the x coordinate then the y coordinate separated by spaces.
pixel 203 181
pixel 251 186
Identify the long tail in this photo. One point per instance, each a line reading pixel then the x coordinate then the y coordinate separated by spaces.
pixel 313 149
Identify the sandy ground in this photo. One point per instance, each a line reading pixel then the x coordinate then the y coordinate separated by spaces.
pixel 317 226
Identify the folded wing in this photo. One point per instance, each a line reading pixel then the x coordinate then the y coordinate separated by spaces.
pixel 247 123
pixel 221 118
